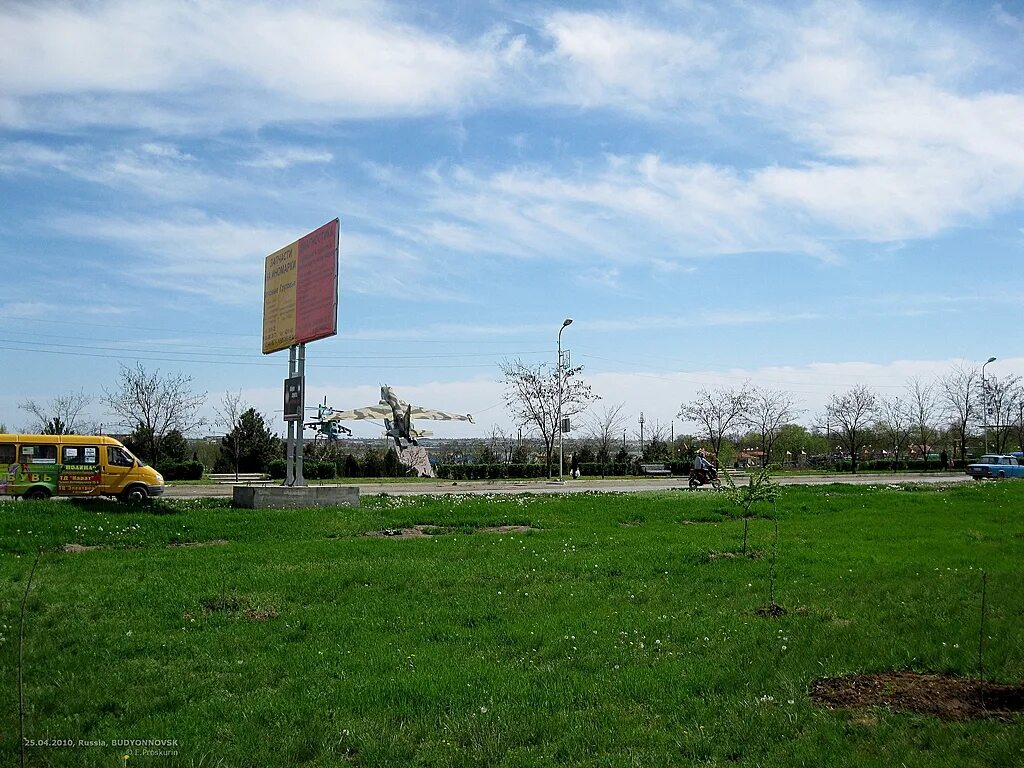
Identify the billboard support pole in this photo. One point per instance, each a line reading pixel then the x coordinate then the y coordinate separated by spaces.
pixel 300 442
pixel 289 449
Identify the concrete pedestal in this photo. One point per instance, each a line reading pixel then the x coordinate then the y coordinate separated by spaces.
pixel 281 497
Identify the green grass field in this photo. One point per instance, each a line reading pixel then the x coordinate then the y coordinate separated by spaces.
pixel 615 634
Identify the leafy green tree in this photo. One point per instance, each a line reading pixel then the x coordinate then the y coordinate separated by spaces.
pixel 352 468
pixel 373 462
pixel 174 446
pixel 250 445
pixel 140 442
pixel 391 465
pixel 656 449
pixel 795 441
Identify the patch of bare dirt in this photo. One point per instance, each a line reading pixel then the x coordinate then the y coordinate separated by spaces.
pixel 753 554
pixel 772 611
pixel 76 548
pixel 944 696
pixel 235 605
pixel 419 531
pixel 211 543
pixel 400 533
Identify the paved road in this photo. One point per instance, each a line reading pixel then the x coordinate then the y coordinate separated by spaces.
pixel 633 485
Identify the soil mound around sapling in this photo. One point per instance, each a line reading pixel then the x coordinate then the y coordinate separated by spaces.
pixel 944 696
pixel 419 531
pixel 399 533
pixel 507 529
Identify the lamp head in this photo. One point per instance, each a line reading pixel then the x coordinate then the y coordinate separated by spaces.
pixel 990 360
pixel 568 321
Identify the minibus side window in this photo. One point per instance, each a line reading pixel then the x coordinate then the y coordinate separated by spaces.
pixel 39 454
pixel 8 453
pixel 118 458
pixel 80 454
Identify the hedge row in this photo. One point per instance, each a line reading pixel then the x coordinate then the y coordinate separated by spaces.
pixel 529 471
pixel 887 465
pixel 328 470
pixel 350 467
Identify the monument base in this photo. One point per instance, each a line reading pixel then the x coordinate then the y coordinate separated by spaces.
pixel 294 497
pixel 415 458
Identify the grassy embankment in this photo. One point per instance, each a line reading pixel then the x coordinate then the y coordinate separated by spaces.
pixel 616 634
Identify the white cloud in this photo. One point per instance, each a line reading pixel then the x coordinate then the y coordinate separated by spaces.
pixel 615 60
pixel 156 170
pixel 194 254
pixel 286 157
pixel 254 62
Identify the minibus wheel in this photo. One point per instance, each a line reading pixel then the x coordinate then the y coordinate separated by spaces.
pixel 135 494
pixel 39 493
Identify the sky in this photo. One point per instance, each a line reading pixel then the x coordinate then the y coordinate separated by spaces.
pixel 806 196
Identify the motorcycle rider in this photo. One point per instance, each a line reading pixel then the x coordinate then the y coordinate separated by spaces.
pixel 702 466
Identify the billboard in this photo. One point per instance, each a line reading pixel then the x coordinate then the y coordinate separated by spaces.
pixel 300 290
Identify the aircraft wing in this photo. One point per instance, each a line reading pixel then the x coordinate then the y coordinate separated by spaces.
pixel 373 412
pixel 430 413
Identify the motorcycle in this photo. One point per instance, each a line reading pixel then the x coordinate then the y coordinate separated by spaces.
pixel 706 476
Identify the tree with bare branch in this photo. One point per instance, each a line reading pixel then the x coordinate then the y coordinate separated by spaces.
pixel 894 424
pixel 768 411
pixel 853 412
pixel 1004 396
pixel 603 429
pixel 229 414
pixel 532 397
pixel 717 411
pixel 60 416
pixel 924 407
pixel 153 404
pixel 960 392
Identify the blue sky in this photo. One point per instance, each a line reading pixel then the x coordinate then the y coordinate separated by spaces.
pixel 808 196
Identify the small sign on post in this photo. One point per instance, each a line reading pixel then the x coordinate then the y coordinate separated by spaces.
pixel 293 398
pixel 565 424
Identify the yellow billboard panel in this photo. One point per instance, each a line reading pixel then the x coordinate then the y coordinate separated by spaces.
pixel 279 299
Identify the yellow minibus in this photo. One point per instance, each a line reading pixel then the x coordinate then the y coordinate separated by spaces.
pixel 41 466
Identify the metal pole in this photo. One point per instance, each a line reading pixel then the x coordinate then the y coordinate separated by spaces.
pixel 300 442
pixel 558 426
pixel 984 404
pixel 289 449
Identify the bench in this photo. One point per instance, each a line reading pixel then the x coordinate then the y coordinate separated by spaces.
pixel 243 478
pixel 654 469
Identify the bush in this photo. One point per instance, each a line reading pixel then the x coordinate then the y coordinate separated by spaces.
pixel 311 470
pixel 350 467
pixel 181 470
pixel 318 470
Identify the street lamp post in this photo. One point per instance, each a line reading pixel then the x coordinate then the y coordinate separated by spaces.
pixel 984 404
pixel 558 424
pixel 641 435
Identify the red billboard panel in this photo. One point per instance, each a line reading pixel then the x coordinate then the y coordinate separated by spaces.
pixel 316 289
